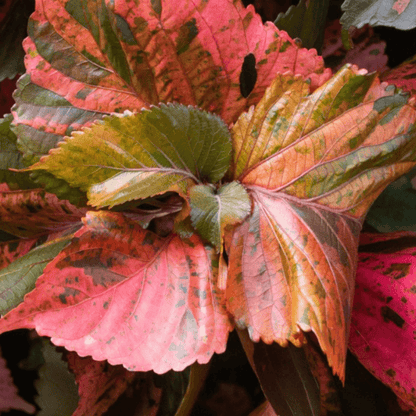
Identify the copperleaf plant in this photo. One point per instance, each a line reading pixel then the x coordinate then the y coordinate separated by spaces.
pixel 261 166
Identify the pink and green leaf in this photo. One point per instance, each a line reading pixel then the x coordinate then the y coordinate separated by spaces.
pixel 292 263
pixel 121 293
pixel 91 58
pixel 19 277
pixel 383 324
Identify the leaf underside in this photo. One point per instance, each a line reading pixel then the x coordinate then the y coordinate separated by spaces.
pixel 400 14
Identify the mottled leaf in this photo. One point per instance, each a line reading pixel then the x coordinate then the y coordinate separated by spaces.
pixel 121 293
pixel 306 22
pixel 57 391
pixel 19 277
pixel 400 14
pixel 292 263
pixel 10 157
pixel 14 248
pixel 31 213
pixel 88 58
pixel 9 397
pixel 137 156
pixel 383 324
pixel 14 15
pixel 99 383
pixel 403 76
pixel 213 210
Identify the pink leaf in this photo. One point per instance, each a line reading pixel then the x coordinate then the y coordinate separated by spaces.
pixel 383 324
pixel 121 293
pixel 9 398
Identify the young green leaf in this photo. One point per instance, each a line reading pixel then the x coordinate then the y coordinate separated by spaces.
pixel 341 148
pixel 212 211
pixel 167 148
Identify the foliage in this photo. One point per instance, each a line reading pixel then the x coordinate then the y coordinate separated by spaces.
pixel 169 174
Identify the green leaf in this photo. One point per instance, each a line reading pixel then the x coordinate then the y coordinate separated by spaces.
pixel 174 385
pixel 10 157
pixel 57 391
pixel 306 22
pixel 394 209
pixel 212 211
pixel 284 376
pixel 400 14
pixel 20 277
pixel 12 32
pixel 136 156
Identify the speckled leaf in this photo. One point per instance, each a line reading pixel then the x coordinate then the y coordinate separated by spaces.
pixel 213 210
pixel 35 212
pixel 99 383
pixel 400 14
pixel 403 76
pixel 292 263
pixel 87 58
pixel 19 277
pixel 136 156
pixel 383 324
pixel 121 293
pixel 10 157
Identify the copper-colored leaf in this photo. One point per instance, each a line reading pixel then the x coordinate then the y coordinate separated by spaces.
pixel 121 293
pixel 35 212
pixel 403 76
pixel 99 384
pixel 383 324
pixel 87 58
pixel 292 263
